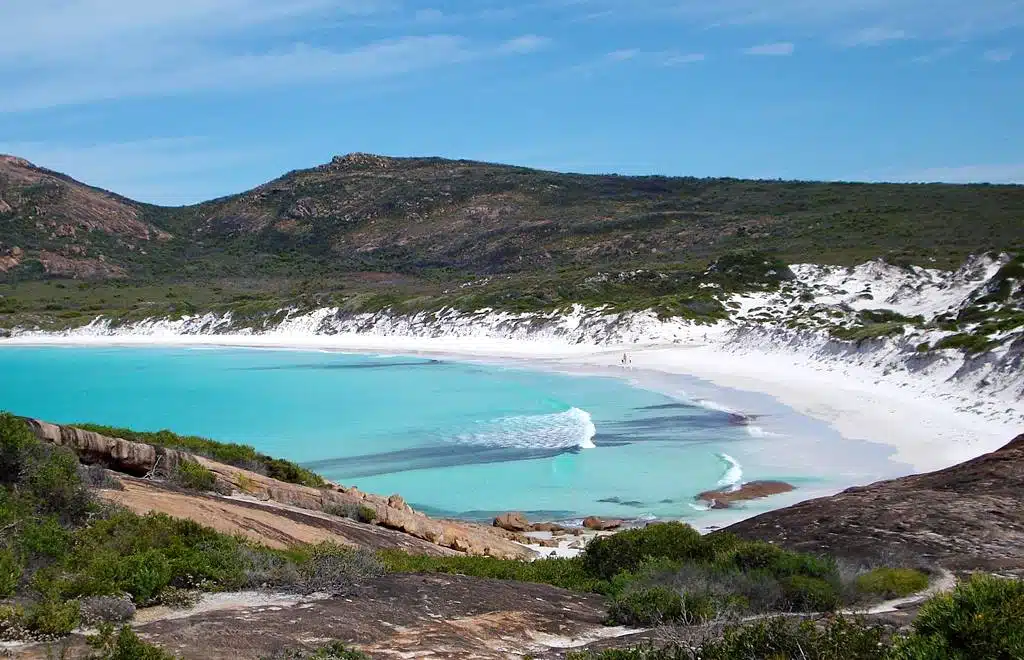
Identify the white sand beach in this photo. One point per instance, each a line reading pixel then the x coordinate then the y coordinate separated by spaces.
pixel 927 429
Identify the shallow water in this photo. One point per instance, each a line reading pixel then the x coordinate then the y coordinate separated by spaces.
pixel 454 439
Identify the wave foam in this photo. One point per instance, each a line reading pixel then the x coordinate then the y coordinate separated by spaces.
pixel 571 429
pixel 733 476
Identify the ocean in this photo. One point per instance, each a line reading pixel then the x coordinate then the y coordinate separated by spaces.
pixel 454 439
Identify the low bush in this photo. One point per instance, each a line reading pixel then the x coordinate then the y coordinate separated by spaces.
pixel 124 645
pixel 654 606
pixel 97 476
pixel 333 569
pixel 97 610
pixel 625 551
pixel 892 582
pixel 981 618
pixel 331 651
pixel 837 638
pixel 359 512
pixel 967 343
pixel 193 476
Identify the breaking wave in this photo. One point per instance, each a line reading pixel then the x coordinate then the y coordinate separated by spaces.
pixel 733 476
pixel 572 429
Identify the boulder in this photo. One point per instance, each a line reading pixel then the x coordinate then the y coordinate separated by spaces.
pixel 723 499
pixel 513 521
pixel 600 524
pixel 396 502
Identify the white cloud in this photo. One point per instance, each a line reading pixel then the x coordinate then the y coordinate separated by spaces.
pixel 528 43
pixel 60 52
pixel 689 58
pixel 776 49
pixel 998 55
pixel 212 71
pixel 873 36
pixel 622 55
pixel 994 173
pixel 827 19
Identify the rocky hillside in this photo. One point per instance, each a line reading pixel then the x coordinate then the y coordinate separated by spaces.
pixel 54 226
pixel 432 217
pixel 270 511
pixel 967 517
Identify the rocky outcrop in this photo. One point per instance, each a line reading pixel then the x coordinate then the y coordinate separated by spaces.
pixel 967 517
pixel 600 524
pixel 139 459
pixel 395 616
pixel 513 522
pixel 754 490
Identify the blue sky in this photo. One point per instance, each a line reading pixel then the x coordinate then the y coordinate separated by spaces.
pixel 174 102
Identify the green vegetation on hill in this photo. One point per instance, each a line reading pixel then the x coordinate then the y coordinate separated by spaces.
pixel 242 456
pixel 365 232
pixel 66 559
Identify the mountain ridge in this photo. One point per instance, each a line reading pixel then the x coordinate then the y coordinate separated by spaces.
pixel 363 212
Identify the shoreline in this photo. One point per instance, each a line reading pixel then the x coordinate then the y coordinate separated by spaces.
pixel 924 431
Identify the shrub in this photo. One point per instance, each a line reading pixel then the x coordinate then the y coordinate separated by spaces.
pixel 179 598
pixel 193 476
pixel 332 568
pixel 17 446
pixel 967 343
pixel 331 651
pixel 981 618
pixel 655 606
pixel 52 617
pixel 809 594
pixel 125 645
pixel 97 610
pixel 97 476
pixel 54 482
pixel 892 582
pixel 358 512
pixel 12 623
pixel 10 572
pixel 606 556
pixel 771 639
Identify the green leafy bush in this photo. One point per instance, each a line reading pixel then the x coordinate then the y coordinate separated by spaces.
pixel 968 343
pixel 653 606
pixel 626 550
pixel 10 572
pixel 125 645
pixel 892 582
pixel 331 651
pixel 193 476
pixel 981 618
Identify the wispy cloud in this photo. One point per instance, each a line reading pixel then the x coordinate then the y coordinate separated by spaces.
pixel 873 36
pixel 60 52
pixel 776 49
pixel 998 55
pixel 830 20
pixel 678 60
pixel 993 173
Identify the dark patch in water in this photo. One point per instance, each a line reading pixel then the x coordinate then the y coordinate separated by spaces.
pixel 358 365
pixel 667 502
pixel 671 406
pixel 619 501
pixel 423 458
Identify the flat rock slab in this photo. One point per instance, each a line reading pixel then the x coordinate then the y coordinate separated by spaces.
pixel 397 616
pixel 967 517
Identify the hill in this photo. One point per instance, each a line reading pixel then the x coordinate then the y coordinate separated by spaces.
pixel 427 215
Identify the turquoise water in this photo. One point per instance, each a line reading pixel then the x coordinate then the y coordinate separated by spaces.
pixel 454 439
